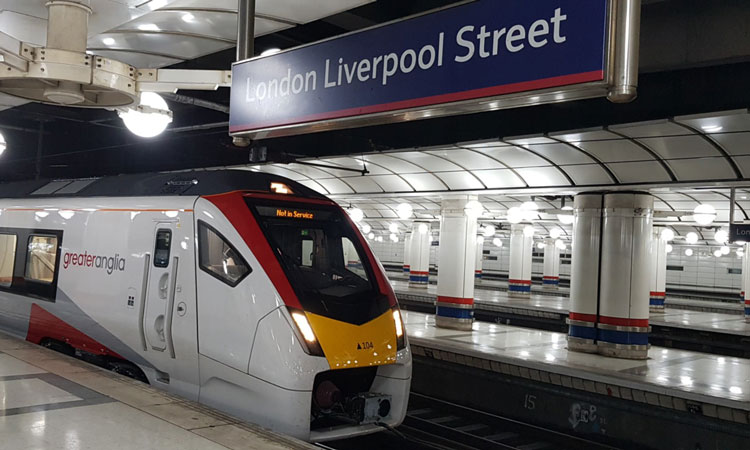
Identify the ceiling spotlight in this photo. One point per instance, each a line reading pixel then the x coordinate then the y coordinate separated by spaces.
pixel 404 211
pixel 704 214
pixel 497 242
pixel 148 27
pixel 529 210
pixel 717 253
pixel 560 244
pixel 189 18
pixel 528 231
pixel 540 245
pixel 667 234
pixel 555 233
pixel 691 238
pixel 3 144
pixel 515 215
pixel 725 250
pixel 712 128
pixel 379 239
pixel 371 236
pixel 489 231
pixel 366 228
pixel 270 51
pixel 669 248
pixel 423 228
pixel 150 118
pixel 689 252
pixel 108 41
pixel 721 236
pixel 480 240
pixel 393 228
pixel 566 219
pixel 394 238
pixel 356 215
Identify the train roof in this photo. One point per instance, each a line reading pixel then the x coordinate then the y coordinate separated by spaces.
pixel 187 183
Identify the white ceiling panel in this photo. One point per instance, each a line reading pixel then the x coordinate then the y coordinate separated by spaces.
pixel 725 122
pixel 468 159
pixel 430 162
pixel 639 172
pixel 424 182
pixel 395 165
pixel 363 184
pixel 702 169
pixel 173 45
pixel 310 171
pixel 561 154
pixel 584 136
pixel 680 147
pixel 543 176
pixel 460 180
pixel 588 174
pixel 616 150
pixel 516 157
pixel 734 143
pixel 499 179
pixel 284 172
pixel 153 61
pixel 392 183
pixel 335 186
pixel 315 186
pixel 743 162
pixel 657 128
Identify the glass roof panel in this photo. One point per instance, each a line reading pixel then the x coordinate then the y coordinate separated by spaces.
pixel 392 183
pixel 588 174
pixel 702 169
pixel 619 150
pixel 639 172
pixel 543 176
pixel 424 182
pixel 460 180
pixel 335 186
pixel 363 184
pixel 733 143
pixel 515 157
pixel 395 165
pixel 430 162
pixel 499 179
pixel 469 159
pixel 680 147
pixel 561 154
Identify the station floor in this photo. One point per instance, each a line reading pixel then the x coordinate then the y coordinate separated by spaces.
pixel 51 401
pixel 673 374
pixel 729 322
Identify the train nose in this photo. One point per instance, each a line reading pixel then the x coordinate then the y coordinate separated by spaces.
pixel 327 395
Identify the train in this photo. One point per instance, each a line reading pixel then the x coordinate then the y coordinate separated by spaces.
pixel 241 290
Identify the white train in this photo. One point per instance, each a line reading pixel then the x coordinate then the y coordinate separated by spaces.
pixel 244 291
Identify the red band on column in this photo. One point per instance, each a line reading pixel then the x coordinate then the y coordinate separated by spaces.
pixel 528 282
pixel 623 322
pixel 582 317
pixel 456 300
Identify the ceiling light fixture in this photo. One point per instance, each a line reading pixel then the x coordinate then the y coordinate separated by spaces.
pixel 150 118
pixel 3 144
pixel 270 51
pixel 704 214
pixel 189 18
pixel 567 218
pixel 108 41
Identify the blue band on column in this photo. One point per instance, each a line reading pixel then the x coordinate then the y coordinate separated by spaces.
pixel 521 288
pixel 622 337
pixel 656 301
pixel 550 282
pixel 418 278
pixel 582 332
pixel 456 313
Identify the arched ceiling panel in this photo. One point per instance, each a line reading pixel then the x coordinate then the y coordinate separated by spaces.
pixel 515 157
pixel 673 147
pixel 460 180
pixel 587 174
pixel 395 165
pixel 701 169
pixel 335 186
pixel 639 172
pixel 561 154
pixel 424 181
pixel 363 184
pixel 543 176
pixel 499 179
pixel 468 159
pixel 315 186
pixel 734 143
pixel 392 183
pixel 430 162
pixel 615 149
pixel 656 128
pixel 722 122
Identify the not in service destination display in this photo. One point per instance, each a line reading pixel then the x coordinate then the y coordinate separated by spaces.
pixel 473 51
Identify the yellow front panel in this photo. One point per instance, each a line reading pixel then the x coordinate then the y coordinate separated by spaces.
pixel 346 345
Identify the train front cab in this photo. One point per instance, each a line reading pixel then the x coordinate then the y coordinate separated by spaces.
pixel 298 328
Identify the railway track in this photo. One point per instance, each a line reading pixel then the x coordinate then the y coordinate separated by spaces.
pixel 438 425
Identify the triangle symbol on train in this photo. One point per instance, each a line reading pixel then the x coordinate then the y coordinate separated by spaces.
pixel 359 347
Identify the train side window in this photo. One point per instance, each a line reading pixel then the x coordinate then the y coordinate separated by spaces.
pixel 218 258
pixel 351 258
pixel 161 250
pixel 41 259
pixel 7 258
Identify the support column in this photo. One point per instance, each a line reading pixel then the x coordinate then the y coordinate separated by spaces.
pixel 419 254
pixel 658 284
pixel 626 253
pixel 551 274
pixel 479 258
pixel 455 289
pixel 746 281
pixel 584 273
pixel 407 255
pixel 521 248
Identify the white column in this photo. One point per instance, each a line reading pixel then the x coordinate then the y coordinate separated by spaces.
pixel 584 273
pixel 658 269
pixel 419 254
pixel 478 259
pixel 624 274
pixel 551 274
pixel 521 248
pixel 746 281
pixel 407 254
pixel 455 289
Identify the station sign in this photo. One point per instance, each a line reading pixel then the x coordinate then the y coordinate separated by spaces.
pixel 477 56
pixel 739 232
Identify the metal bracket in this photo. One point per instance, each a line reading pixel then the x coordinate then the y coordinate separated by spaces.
pixel 172 80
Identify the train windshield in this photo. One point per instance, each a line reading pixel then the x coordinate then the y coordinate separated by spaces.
pixel 324 260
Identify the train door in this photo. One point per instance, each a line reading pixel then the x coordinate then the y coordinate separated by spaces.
pixel 169 317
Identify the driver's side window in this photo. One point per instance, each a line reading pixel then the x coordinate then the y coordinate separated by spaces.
pixel 218 258
pixel 351 258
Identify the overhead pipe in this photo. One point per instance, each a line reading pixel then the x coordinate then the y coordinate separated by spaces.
pixel 67 29
pixel 245 45
pixel 626 51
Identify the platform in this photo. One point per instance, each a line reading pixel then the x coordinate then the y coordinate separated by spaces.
pixel 690 389
pixel 52 401
pixel 552 307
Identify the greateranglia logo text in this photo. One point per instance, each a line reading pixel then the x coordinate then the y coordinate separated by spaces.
pixel 109 263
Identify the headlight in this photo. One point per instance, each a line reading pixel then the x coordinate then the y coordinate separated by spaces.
pixel 400 340
pixel 305 333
